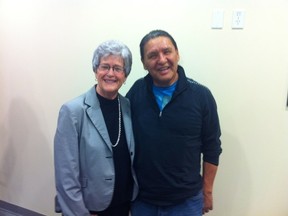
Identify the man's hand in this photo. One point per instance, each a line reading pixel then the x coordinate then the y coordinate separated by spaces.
pixel 208 202
pixel 209 173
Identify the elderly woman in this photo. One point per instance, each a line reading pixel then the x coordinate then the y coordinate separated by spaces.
pixel 94 143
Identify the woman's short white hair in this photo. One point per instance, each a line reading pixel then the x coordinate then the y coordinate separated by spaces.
pixel 113 47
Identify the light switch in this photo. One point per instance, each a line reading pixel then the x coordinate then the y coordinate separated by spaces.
pixel 217 19
pixel 238 18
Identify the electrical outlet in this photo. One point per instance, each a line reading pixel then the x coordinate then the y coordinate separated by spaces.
pixel 238 19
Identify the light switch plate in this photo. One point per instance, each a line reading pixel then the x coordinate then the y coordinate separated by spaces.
pixel 217 19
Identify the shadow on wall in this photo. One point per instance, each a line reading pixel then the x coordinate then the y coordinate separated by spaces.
pixel 27 177
pixel 233 188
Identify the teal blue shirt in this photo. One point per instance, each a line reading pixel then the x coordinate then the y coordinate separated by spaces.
pixel 163 94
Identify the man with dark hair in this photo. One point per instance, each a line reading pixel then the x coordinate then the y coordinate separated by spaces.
pixel 175 120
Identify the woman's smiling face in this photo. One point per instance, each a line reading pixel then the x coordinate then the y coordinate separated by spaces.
pixel 110 76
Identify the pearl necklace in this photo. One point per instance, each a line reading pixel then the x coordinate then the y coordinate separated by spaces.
pixel 119 118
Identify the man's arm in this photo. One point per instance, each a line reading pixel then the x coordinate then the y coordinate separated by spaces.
pixel 209 173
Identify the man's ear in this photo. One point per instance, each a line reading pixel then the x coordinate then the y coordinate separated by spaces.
pixel 144 66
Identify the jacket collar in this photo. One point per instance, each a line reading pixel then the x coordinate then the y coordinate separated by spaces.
pixel 95 114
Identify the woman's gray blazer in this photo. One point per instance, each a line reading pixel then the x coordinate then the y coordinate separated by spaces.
pixel 83 156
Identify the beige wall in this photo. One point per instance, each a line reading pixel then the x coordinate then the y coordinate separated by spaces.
pixel 45 59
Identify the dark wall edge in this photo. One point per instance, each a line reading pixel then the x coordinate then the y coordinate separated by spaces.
pixel 11 209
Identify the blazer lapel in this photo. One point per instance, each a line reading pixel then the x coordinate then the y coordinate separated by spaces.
pixel 126 120
pixel 95 114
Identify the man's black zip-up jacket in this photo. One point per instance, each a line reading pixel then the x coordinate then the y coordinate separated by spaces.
pixel 169 143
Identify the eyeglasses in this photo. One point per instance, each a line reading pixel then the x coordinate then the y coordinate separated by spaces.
pixel 106 68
